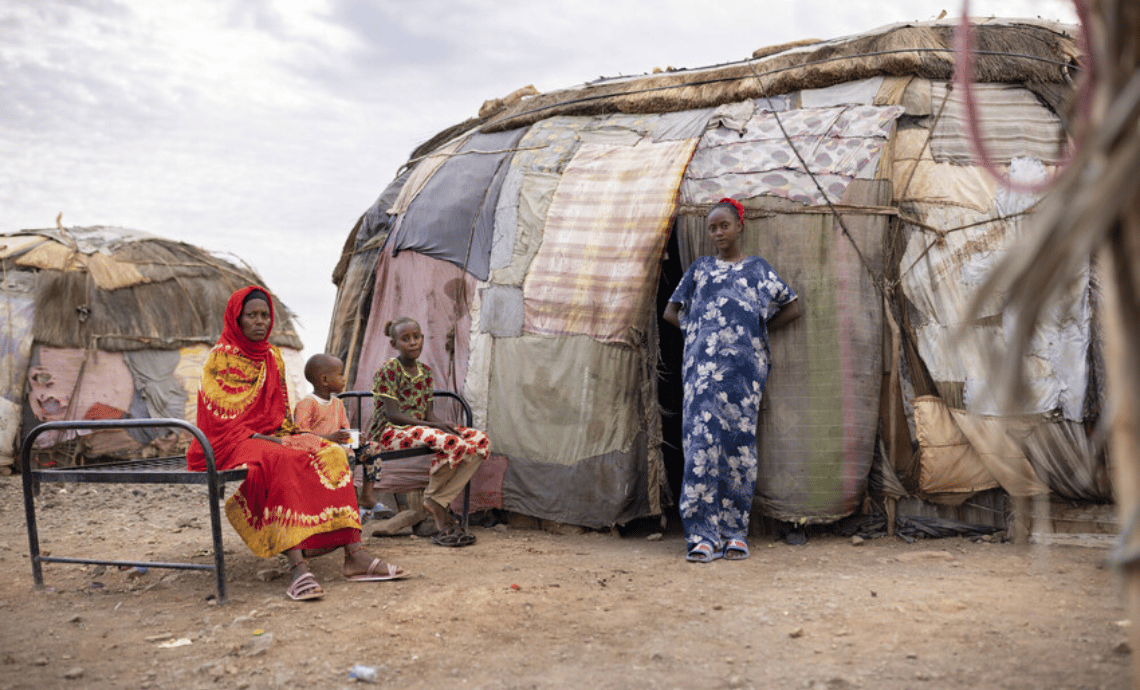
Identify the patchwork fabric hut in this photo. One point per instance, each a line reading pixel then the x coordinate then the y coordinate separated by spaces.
pixel 106 323
pixel 535 245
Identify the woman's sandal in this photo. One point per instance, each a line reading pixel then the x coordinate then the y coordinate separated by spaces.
pixel 453 536
pixel 304 587
pixel 703 552
pixel 736 550
pixel 374 572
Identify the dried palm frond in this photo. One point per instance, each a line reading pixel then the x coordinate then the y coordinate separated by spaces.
pixel 1093 212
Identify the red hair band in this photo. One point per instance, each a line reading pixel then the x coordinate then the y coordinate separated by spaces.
pixel 736 205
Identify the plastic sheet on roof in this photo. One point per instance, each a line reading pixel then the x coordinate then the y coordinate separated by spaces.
pixel 862 92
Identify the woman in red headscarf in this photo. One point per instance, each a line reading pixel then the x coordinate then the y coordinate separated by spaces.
pixel 297 497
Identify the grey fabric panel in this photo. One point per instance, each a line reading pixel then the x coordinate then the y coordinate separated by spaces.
pixel 506 219
pixel 377 221
pixel 687 124
pixel 597 492
pixel 819 417
pixel 157 392
pixel 501 313
pixel 138 410
pixel 453 217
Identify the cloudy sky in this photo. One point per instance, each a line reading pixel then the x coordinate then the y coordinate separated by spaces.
pixel 265 128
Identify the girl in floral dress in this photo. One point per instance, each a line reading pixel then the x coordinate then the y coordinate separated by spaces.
pixel 725 305
pixel 402 390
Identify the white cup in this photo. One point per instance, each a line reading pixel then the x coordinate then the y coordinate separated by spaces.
pixel 354 438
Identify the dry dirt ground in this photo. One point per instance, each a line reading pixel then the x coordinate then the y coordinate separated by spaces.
pixel 527 609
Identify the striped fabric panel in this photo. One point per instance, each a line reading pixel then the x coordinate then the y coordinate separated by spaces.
pixel 596 271
pixel 1013 123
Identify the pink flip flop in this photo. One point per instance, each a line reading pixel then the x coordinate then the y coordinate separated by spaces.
pixel 393 573
pixel 305 588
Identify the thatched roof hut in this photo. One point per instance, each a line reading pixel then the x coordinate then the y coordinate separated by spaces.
pixel 105 321
pixel 531 242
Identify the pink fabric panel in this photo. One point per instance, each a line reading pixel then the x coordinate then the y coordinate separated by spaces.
pixel 435 293
pixel 411 474
pixel 54 395
pixel 405 474
pixel 486 485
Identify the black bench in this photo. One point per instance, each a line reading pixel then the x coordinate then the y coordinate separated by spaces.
pixel 358 396
pixel 166 470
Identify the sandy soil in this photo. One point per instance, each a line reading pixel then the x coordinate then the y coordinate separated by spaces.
pixel 528 609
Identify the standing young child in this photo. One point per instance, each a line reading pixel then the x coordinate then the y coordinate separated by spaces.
pixel 725 304
pixel 323 414
pixel 402 390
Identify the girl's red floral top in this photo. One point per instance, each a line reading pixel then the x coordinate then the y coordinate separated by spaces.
pixel 412 392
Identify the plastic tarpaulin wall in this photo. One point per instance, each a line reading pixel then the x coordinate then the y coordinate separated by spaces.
pixel 18 310
pixel 617 176
pixel 357 270
pixel 158 393
pixel 583 465
pixel 964 224
pixel 69 384
pixel 546 336
pixel 819 415
pixel 944 275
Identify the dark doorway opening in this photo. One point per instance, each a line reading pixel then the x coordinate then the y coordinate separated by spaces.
pixel 670 388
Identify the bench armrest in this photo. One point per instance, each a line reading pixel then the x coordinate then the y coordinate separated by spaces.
pixel 358 398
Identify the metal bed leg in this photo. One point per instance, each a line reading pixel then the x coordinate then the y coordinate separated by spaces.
pixel 33 535
pixel 214 489
pixel 466 505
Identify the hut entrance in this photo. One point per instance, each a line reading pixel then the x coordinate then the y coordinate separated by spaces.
pixel 670 390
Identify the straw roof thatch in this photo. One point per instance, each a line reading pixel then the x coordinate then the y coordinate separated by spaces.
pixel 1041 55
pixel 115 289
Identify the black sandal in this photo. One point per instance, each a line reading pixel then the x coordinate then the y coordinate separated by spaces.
pixel 453 536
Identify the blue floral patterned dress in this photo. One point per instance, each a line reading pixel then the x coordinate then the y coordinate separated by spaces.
pixel 725 308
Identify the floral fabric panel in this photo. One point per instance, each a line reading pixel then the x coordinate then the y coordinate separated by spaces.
pixel 837 144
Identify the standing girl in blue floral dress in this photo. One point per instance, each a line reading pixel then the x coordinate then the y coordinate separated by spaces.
pixel 725 305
